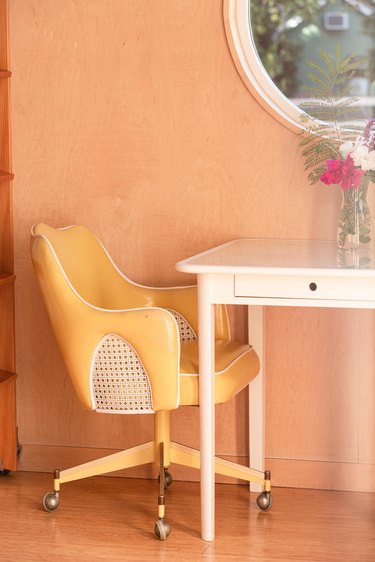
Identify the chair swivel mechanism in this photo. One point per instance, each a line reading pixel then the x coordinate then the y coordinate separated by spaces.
pixel 132 349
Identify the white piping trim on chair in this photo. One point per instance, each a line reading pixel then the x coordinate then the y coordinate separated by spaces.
pixel 224 370
pixel 113 310
pixel 180 287
pixel 115 265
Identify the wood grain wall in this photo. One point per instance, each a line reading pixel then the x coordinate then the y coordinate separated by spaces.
pixel 129 117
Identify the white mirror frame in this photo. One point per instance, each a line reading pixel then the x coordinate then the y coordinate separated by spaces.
pixel 247 61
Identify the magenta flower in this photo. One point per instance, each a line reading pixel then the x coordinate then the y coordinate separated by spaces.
pixel 334 172
pixel 344 173
pixel 351 176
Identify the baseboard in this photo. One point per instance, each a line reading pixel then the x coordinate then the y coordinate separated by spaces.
pixel 322 475
pixel 285 472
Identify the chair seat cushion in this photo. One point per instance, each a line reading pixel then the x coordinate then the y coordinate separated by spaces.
pixel 235 366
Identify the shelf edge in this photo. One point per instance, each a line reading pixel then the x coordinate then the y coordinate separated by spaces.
pixel 6 375
pixel 6 176
pixel 6 278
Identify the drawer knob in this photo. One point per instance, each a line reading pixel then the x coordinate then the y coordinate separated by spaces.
pixel 313 286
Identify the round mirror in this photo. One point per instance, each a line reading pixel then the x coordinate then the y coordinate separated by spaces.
pixel 275 45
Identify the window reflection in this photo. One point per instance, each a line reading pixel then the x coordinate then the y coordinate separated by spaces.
pixel 288 34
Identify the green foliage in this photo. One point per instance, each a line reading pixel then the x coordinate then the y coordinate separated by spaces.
pixel 278 52
pixel 329 105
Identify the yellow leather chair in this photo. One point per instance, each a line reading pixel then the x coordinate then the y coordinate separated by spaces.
pixel 133 349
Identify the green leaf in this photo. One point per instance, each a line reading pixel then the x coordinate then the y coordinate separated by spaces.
pixel 319 69
pixel 364 239
pixel 331 103
pixel 317 80
pixel 325 56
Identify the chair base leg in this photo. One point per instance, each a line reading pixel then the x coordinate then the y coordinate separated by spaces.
pixel 162 529
pixel 135 456
pixel 186 456
pixel 170 452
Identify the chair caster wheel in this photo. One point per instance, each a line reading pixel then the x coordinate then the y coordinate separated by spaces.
pixel 51 501
pixel 264 501
pixel 168 479
pixel 162 529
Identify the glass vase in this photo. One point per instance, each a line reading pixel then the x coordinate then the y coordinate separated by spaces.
pixel 354 228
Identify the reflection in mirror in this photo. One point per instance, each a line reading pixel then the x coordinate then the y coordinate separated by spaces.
pixel 272 41
pixel 290 35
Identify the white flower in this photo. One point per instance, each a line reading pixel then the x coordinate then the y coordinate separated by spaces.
pixel 368 163
pixel 364 158
pixel 346 148
pixel 359 155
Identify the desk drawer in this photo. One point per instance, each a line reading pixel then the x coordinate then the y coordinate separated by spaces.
pixel 305 287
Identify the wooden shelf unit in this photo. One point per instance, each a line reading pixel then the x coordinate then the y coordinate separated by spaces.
pixel 8 429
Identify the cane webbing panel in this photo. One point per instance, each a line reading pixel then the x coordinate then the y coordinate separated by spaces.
pixel 119 381
pixel 186 331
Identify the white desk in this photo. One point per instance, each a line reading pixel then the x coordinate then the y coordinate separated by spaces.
pixel 257 273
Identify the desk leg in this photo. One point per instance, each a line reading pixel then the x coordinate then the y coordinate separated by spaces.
pixel 257 394
pixel 207 407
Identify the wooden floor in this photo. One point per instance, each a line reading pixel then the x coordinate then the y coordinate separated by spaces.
pixel 112 519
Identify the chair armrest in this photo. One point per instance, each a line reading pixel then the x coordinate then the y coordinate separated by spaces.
pixel 184 300
pixel 151 331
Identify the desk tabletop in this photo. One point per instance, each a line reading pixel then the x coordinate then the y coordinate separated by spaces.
pixel 289 257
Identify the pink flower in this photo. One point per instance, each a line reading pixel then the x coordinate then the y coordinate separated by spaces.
pixel 334 172
pixel 351 176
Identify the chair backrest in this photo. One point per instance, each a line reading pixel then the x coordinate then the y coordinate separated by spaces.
pixel 85 296
pixel 88 268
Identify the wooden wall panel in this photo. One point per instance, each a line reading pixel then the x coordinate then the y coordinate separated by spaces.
pixel 3 44
pixel 366 368
pixel 6 231
pixel 4 127
pixel 7 352
pixel 313 384
pixel 8 434
pixel 130 118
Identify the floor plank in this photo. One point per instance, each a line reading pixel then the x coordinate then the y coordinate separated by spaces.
pixel 112 519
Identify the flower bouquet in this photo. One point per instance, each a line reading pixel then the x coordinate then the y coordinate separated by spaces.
pixel 353 171
pixel 336 150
